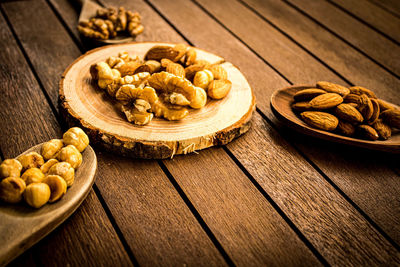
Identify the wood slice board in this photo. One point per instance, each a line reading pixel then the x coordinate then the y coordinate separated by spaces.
pixel 219 122
pixel 22 226
pixel 281 101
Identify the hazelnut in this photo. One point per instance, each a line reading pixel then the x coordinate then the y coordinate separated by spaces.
pixel 31 160
pixel 51 148
pixel 46 167
pixel 77 137
pixel 71 155
pixel 65 170
pixel 58 187
pixel 32 175
pixel 37 194
pixel 10 168
pixel 11 189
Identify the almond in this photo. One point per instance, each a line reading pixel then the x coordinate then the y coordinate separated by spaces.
pixel 301 106
pixel 391 117
pixel 358 90
pixel 384 131
pixel 191 71
pixel 174 68
pixel 190 56
pixel 181 48
pixel 325 101
pixel 384 105
pixel 321 120
pixel 159 52
pixel 308 94
pixel 129 68
pixel 351 98
pixel 348 113
pixel 376 111
pixel 365 106
pixel 346 128
pixel 218 89
pixel 367 132
pixel 333 88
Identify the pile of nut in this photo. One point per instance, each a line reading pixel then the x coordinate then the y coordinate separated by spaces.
pixel 354 111
pixel 166 84
pixel 46 176
pixel 109 22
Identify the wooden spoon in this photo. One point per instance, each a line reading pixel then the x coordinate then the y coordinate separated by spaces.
pixel 22 226
pixel 280 104
pixel 88 11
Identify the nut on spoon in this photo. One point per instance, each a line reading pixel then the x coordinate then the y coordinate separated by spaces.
pixel 88 11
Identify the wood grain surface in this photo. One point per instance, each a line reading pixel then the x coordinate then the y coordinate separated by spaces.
pixel 34 224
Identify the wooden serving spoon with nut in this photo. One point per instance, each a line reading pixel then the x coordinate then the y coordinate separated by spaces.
pixel 22 226
pixel 89 9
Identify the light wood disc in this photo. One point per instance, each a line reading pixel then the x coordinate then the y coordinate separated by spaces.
pixel 219 122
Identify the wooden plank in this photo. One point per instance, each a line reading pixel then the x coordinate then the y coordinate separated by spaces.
pixel 392 6
pixel 154 220
pixel 377 199
pixel 372 15
pixel 26 103
pixel 348 62
pixel 183 20
pixel 373 44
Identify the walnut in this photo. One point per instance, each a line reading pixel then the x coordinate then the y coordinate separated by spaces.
pixel 51 148
pixel 65 170
pixel 169 111
pixel 11 189
pixel 10 168
pixel 71 155
pixel 31 160
pixel 104 75
pixel 32 175
pixel 77 137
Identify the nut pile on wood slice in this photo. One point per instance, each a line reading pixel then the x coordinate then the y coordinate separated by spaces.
pixel 166 84
pixel 354 111
pixel 45 176
pixel 108 23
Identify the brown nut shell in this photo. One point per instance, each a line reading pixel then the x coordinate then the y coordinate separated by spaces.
pixel 301 106
pixel 346 128
pixel 333 88
pixel 365 106
pixel 307 94
pixel 384 131
pixel 391 117
pixel 348 113
pixel 384 105
pixel 351 98
pixel 376 111
pixel 320 120
pixel 367 132
pixel 358 90
pixel 326 101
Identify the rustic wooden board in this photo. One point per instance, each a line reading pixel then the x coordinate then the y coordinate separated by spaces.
pixel 354 32
pixel 374 16
pixel 281 102
pixel 217 123
pixel 23 226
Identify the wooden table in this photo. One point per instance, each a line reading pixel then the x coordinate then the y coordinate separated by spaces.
pixel 271 197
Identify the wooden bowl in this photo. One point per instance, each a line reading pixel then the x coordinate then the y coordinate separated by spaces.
pixel 280 104
pixel 83 104
pixel 22 226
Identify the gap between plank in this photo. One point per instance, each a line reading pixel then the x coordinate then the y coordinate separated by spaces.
pixel 340 38
pixel 384 8
pixel 196 214
pixel 362 21
pixel 63 126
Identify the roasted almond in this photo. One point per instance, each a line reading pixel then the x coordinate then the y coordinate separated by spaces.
pixel 325 101
pixel 358 90
pixel 376 111
pixel 320 120
pixel 174 68
pixel 129 68
pixel 192 70
pixel 218 71
pixel 301 106
pixel 346 128
pixel 218 89
pixel 384 131
pixel 150 66
pixel 308 94
pixel 367 132
pixel 384 105
pixel 391 117
pixel 365 107
pixel 159 52
pixel 348 113
pixel 352 98
pixel 333 88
